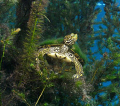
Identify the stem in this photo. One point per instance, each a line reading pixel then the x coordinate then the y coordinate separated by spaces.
pixel 94 75
pixel 40 95
pixel 2 56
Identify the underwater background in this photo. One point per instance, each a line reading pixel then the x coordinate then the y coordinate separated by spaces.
pixel 31 79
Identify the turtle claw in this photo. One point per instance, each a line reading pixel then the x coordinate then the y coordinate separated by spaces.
pixel 75 76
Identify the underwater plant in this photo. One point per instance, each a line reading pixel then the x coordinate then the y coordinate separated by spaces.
pixel 107 68
pixel 29 78
pixel 23 54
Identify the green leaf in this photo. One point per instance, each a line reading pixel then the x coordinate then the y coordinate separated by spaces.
pixel 110 77
pixel 22 95
pixel 45 104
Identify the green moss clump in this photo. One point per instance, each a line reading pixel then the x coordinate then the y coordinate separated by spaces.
pixel 53 41
pixel 77 50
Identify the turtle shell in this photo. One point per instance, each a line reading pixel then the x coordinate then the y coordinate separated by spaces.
pixel 75 49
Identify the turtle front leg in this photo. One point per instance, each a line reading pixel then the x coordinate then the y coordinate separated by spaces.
pixel 78 67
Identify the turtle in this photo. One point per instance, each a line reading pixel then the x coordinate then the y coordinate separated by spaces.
pixel 66 51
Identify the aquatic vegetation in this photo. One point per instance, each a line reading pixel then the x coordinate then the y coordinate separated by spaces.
pixel 7 8
pixel 25 63
pixel 8 41
pixel 37 23
pixel 108 67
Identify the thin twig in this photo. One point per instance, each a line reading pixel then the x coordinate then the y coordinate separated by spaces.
pixel 40 95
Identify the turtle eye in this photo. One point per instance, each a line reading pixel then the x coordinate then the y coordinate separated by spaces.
pixel 68 42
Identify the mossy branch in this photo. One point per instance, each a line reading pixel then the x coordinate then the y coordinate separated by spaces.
pixel 22 96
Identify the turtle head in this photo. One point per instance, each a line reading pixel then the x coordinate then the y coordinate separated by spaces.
pixel 70 39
